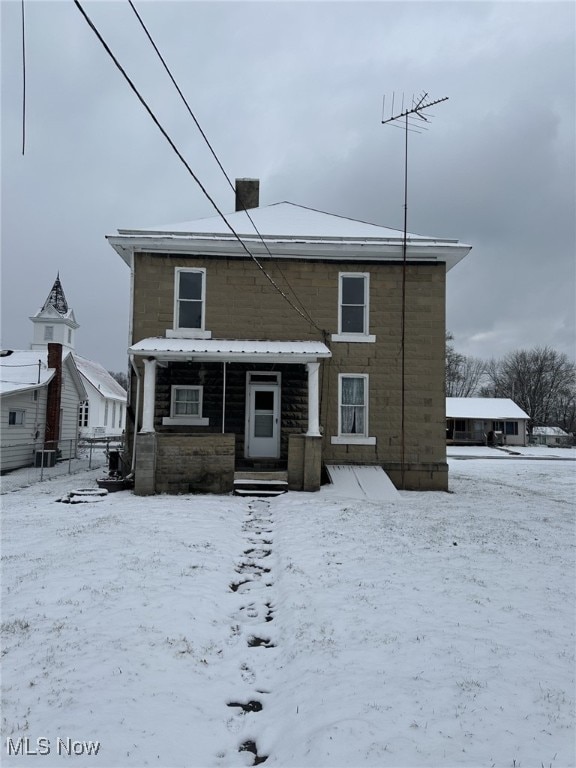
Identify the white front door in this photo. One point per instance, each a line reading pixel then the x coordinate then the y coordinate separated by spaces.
pixel 263 420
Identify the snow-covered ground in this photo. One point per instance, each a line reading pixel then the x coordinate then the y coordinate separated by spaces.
pixel 436 630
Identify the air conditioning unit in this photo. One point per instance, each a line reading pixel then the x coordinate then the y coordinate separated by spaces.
pixel 45 459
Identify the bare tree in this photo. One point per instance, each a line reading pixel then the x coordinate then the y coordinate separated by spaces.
pixel 541 381
pixel 463 374
pixel 121 378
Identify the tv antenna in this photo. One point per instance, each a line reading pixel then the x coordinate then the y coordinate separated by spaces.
pixel 409 116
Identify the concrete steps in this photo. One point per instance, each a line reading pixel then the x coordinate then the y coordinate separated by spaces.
pixel 251 483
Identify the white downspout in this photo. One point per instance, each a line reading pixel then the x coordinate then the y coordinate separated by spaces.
pixel 223 395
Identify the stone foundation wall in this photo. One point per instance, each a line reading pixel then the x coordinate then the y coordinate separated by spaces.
pixel 145 467
pixel 419 477
pixel 304 463
pixel 194 463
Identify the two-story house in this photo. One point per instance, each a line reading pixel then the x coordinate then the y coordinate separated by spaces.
pixel 284 337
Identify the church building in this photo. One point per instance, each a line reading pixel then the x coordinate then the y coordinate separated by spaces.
pixel 103 413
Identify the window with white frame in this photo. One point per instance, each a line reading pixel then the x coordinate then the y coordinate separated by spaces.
pixel 186 406
pixel 48 332
pixel 83 414
pixel 353 307
pixel 186 402
pixel 353 405
pixel 190 295
pixel 16 418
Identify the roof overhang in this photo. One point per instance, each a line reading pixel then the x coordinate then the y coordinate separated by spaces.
pixel 72 368
pixel 230 350
pixel 9 388
pixel 448 252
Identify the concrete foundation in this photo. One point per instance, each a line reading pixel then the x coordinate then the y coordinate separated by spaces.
pixel 304 463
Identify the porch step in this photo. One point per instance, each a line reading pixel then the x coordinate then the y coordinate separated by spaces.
pixel 260 483
pixel 257 492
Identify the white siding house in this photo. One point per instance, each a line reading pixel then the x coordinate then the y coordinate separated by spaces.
pixel 474 420
pixel 104 411
pixel 26 379
pixel 553 436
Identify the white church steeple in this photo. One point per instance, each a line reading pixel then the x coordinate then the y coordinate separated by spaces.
pixel 55 322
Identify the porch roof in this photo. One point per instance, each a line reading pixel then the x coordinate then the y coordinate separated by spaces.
pixel 231 350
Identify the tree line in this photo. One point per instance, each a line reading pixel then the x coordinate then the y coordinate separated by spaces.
pixel 541 381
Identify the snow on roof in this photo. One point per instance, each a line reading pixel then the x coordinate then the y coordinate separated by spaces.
pixel 56 298
pixel 23 370
pixel 227 349
pixel 551 431
pixel 286 230
pixel 287 220
pixel 99 377
pixel 483 408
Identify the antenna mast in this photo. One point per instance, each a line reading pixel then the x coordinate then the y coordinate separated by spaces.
pixel 415 111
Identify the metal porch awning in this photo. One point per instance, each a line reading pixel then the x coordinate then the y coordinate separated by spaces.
pixel 230 350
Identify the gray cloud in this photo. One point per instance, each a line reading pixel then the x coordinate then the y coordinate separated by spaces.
pixel 292 93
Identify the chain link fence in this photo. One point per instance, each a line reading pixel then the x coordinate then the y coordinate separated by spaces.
pixel 37 462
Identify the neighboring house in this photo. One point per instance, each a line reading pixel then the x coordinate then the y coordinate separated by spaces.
pixel 40 393
pixel 475 420
pixel 103 412
pixel 292 362
pixel 552 436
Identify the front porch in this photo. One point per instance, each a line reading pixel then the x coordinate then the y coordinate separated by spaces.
pixel 210 408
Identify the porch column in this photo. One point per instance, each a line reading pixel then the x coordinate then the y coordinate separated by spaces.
pixel 149 395
pixel 313 400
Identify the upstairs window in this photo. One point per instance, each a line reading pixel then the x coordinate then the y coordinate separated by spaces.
pixel 48 333
pixel 190 291
pixel 353 307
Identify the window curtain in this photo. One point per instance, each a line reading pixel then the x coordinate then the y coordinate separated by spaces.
pixel 353 406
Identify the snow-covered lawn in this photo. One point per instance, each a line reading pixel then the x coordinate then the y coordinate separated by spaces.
pixel 438 630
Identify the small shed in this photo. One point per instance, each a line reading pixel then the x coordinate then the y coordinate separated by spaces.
pixel 552 436
pixel 480 420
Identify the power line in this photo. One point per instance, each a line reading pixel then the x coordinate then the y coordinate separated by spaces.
pixel 181 157
pixel 23 81
pixel 215 156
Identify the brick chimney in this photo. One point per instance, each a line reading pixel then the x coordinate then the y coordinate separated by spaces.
pixel 247 193
pixel 54 398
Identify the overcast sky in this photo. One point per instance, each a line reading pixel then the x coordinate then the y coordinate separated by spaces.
pixel 291 93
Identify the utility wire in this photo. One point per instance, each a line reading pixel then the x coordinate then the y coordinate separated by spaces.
pixel 215 156
pixel 181 158
pixel 23 81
